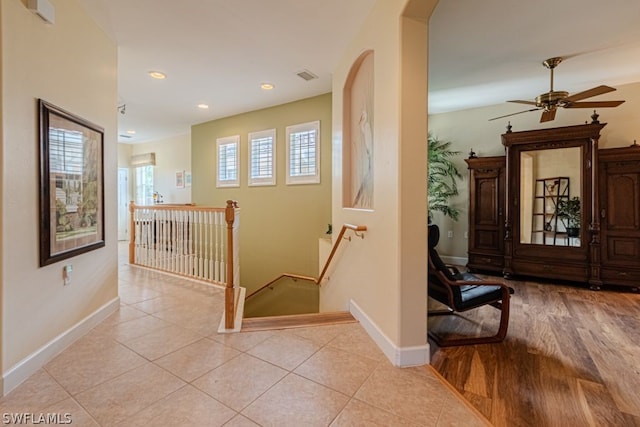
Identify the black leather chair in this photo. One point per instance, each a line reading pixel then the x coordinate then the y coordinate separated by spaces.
pixel 464 291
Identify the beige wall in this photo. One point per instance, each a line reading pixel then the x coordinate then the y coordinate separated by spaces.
pixel 71 64
pixel 124 155
pixel 471 129
pixel 172 155
pixel 2 192
pixel 385 273
pixel 279 225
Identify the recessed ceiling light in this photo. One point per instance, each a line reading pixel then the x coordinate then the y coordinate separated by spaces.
pixel 131 132
pixel 267 86
pixel 203 106
pixel 157 75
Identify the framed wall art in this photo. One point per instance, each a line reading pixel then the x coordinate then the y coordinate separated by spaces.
pixel 180 179
pixel 71 184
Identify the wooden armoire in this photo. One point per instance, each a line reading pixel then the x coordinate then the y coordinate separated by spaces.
pixel 619 193
pixel 486 208
pixel 515 223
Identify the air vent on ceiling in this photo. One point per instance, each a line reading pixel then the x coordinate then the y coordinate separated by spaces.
pixel 306 75
pixel 125 136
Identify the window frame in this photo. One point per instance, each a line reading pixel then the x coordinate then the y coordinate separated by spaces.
pixel 262 181
pixel 228 140
pixel 299 128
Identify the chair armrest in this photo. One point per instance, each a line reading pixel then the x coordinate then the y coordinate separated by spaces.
pixel 482 282
pixel 454 270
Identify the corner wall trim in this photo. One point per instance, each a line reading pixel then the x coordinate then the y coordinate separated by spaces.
pixel 399 356
pixel 30 364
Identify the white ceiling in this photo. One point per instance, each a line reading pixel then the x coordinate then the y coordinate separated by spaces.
pixel 486 52
pixel 480 53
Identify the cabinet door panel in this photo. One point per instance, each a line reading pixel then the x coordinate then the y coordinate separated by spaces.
pixel 623 249
pixel 487 202
pixel 620 200
pixel 623 206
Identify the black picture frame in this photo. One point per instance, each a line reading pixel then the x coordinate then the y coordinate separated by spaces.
pixel 71 184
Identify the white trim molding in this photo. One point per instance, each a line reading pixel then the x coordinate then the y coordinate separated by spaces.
pixel 399 356
pixel 454 260
pixel 22 370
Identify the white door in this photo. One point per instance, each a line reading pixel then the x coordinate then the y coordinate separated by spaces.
pixel 123 204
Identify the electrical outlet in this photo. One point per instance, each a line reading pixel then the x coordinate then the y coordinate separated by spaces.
pixel 450 234
pixel 466 234
pixel 66 274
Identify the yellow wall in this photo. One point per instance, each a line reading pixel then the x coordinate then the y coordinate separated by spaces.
pixel 73 65
pixel 471 129
pixel 385 274
pixel 279 225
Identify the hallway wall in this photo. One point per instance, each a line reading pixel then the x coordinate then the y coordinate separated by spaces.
pixel 383 276
pixel 73 65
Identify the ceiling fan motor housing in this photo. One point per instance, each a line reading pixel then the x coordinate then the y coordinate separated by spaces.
pixel 550 102
pixel 551 99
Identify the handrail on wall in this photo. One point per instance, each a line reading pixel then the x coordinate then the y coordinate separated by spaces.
pixel 358 231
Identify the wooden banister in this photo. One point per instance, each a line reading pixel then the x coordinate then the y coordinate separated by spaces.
pixel 292 276
pixel 193 241
pixel 229 292
pixel 357 229
pixel 132 234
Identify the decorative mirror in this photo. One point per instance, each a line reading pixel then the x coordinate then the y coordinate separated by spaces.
pixel 551 183
pixel 550 224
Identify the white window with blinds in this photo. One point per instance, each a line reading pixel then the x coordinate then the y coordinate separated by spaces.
pixel 228 154
pixel 303 153
pixel 262 157
pixel 143 191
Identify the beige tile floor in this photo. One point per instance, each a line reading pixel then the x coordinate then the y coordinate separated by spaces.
pixel 159 361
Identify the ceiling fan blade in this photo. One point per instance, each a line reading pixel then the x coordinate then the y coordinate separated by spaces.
pixel 599 90
pixel 513 114
pixel 594 104
pixel 524 102
pixel 548 115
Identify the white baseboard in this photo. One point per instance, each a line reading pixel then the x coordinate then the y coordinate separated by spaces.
pixel 454 260
pixel 237 322
pixel 30 364
pixel 399 356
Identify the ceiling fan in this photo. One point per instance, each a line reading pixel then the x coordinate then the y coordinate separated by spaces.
pixel 550 101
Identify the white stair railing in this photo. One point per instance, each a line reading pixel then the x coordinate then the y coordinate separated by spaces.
pixel 188 240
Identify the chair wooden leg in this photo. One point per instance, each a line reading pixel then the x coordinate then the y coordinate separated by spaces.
pixel 498 337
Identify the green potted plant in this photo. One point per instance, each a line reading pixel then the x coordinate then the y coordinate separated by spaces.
pixel 442 177
pixel 570 211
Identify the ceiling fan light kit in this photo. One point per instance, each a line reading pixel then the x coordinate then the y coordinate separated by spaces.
pixel 550 101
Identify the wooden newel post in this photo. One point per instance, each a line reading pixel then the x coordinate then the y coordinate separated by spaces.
pixel 229 293
pixel 132 234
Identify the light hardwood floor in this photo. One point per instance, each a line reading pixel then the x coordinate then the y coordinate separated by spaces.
pixel 571 358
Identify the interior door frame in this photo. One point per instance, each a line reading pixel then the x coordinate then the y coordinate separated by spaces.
pixel 123 204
